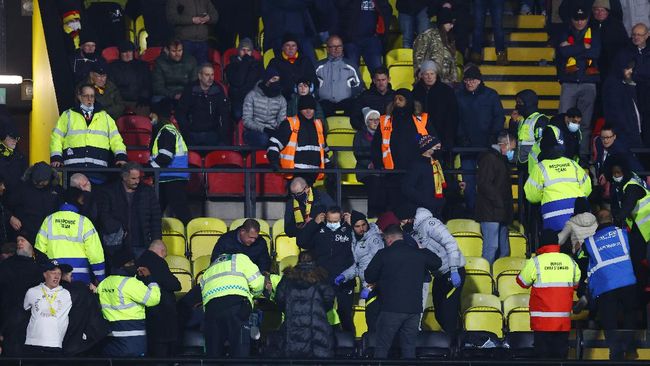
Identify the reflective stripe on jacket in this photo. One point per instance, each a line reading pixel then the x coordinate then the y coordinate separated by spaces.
pixel 641 212
pixel 386 125
pixel 179 157
pixel 610 266
pixel 288 153
pixel 526 136
pixel 231 274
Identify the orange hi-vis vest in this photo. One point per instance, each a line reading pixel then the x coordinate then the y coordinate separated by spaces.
pixel 386 125
pixel 288 154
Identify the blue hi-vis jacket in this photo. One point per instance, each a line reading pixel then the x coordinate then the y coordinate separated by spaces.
pixel 610 266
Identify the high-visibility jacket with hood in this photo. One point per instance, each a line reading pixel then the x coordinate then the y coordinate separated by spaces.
pixel 553 277
pixel 71 238
pixel 533 121
pixel 231 274
pixel 77 142
pixel 169 150
pixel 641 212
pixel 610 266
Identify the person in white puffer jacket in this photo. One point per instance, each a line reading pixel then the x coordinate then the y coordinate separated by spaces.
pixel 580 226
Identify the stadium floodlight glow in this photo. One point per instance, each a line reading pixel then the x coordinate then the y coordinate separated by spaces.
pixel 11 79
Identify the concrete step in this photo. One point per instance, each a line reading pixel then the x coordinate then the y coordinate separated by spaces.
pixel 528 37
pixel 521 53
pixel 520 22
pixel 511 88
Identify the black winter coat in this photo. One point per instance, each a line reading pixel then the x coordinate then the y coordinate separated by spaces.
pixel 305 297
pixel 142 222
pixel 12 167
pixel 81 64
pixel 322 201
pixel 613 39
pixel 619 102
pixel 331 250
pixel 350 13
pixel 87 325
pixel 242 74
pixel 418 187
pixel 258 252
pixel 571 139
pixel 439 101
pixel 155 19
pixel 411 7
pixel 133 80
pixel 290 73
pixel 32 205
pixel 199 111
pixel 162 319
pixel 494 188
pixel 481 116
pixel 373 99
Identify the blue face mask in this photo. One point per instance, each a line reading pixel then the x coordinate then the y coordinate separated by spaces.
pixel 510 154
pixel 87 109
pixel 333 225
pixel 573 127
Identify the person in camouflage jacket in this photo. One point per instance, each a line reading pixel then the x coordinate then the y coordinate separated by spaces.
pixel 432 44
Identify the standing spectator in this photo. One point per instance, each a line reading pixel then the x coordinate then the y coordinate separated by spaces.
pixel 640 53
pixel 242 74
pixel 264 109
pixel 155 20
pixel 378 96
pixel 304 87
pixel 303 206
pixel 620 105
pixel 106 93
pixel 50 305
pixel 192 21
pixel 569 125
pixel 564 11
pixel 161 320
pixel 71 239
pixel 299 142
pixel 438 102
pixel 170 151
pixel 107 19
pixel 38 196
pixel 362 25
pixel 612 285
pixel 530 122
pixel 614 37
pixel 480 118
pixel 576 61
pixel 130 209
pixel 339 80
pixel 86 56
pixel 173 70
pixel 72 144
pixel 372 182
pixel 305 296
pixel 635 12
pixel 70 13
pixel 18 274
pixel 292 65
pixel 245 239
pixel 438 45
pixel 12 162
pixel 203 113
pixel 237 20
pixel 608 146
pixel 424 182
pixel 132 78
pixel 580 226
pixel 494 196
pixel 553 277
pixel 413 19
pixel 328 237
pixel 481 8
pixel 397 271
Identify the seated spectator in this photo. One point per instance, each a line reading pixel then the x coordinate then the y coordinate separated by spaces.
pixel 264 109
pixel 49 304
pixel 339 81
pixel 481 9
pixel 292 66
pixel 413 20
pixel 424 181
pixel 362 25
pixel 614 37
pixel 242 74
pixel 569 125
pixel 305 87
pixel 372 182
pixel 12 162
pixel 437 44
pixel 620 104
pixel 106 93
pixel 132 78
pixel 303 205
pixel 378 96
pixel 245 239
pixel 438 102
pixel 192 21
pixel 305 296
pixel 87 55
pixel 203 113
pixel 173 70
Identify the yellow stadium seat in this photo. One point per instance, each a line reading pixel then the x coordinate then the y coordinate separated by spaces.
pixel 173 235
pixel 340 139
pixel 142 41
pixel 507 264
pixel 203 233
pixel 339 124
pixel 464 226
pixel 185 278
pixel 284 247
pixel 365 75
pixel 359 319
pixel 516 312
pixel 278 228
pixel 429 322
pixel 507 284
pixel 288 261
pixel 399 56
pixel 402 76
pixel 321 53
pixel 200 264
pixel 471 245
pixel 268 56
pixel 482 312
pixel 478 278
pixel 518 244
pixel 346 160
pixel 265 230
pixel 178 263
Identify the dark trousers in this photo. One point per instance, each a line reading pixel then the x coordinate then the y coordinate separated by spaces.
pixel 229 323
pixel 160 349
pixel 376 195
pixel 344 300
pixel 174 194
pixel 210 138
pixel 447 308
pixel 388 325
pixel 198 49
pixel 551 344
pixel 370 48
pixel 39 351
pixel 373 308
pixel 611 304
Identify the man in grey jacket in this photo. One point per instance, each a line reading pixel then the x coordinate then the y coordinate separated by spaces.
pixel 339 80
pixel 432 234
pixel 264 109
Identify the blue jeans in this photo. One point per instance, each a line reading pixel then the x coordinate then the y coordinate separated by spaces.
pixel 470 182
pixel 371 50
pixel 198 49
pixel 406 25
pixel 496 12
pixel 256 138
pixel 495 237
pixel 531 4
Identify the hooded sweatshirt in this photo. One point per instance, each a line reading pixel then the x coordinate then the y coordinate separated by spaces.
pixel 432 234
pixel 579 227
pixel 363 250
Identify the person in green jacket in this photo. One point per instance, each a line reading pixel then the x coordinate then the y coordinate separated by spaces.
pixel 172 71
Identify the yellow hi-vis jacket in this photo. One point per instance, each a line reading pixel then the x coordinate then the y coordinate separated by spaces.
pixel 641 211
pixel 231 274
pixel 123 300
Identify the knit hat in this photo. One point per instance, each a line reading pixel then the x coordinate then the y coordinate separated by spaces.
pixel 429 65
pixel 369 113
pixel 289 37
pixel 306 102
pixel 548 139
pixel 445 16
pixel 405 211
pixel 245 43
pixel 270 73
pixel 579 12
pixel 7 128
pixel 405 93
pixel 356 216
pixel 573 112
pixel 41 171
pixel 601 4
pixel 472 72
pixel 581 205
pixel 548 237
pixel 427 142
pixel 126 46
pixel 98 68
pixel 86 35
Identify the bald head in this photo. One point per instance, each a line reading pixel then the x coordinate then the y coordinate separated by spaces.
pixel 80 181
pixel 158 246
pixel 604 217
pixel 298 185
pixel 640 35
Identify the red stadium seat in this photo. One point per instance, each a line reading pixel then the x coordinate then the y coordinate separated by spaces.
pixel 268 184
pixel 239 133
pixel 215 57
pixel 135 130
pixel 150 55
pixel 225 184
pixel 111 54
pixel 223 86
pixel 139 156
pixel 196 183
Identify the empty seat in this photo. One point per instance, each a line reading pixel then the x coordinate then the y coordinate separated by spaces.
pixel 199 265
pixel 135 130
pixel 463 226
pixel 346 160
pixel 399 56
pixel 173 235
pixel 482 312
pixel 470 244
pixel 343 139
pixel 516 312
pixel 225 184
pixel 215 58
pixel 185 278
pixel 111 54
pixel 288 261
pixel 478 278
pixel 150 55
pixel 196 183
pixel 139 156
pixel 285 246
pixel 339 124
pixel 505 271
pixel 402 76
pixel 429 321
pixel 178 263
pixel 278 228
pixel 268 184
pixel 518 244
pixel 268 56
pixel 202 235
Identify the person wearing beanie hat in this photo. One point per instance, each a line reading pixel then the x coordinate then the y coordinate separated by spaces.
pixel 614 37
pixel 12 162
pixel 553 276
pixel 361 145
pixel 424 182
pixel 246 47
pixel 132 77
pixel 437 44
pixel 243 73
pixel 531 122
pixel 264 109
pixel 293 64
pixel 304 86
pixel 378 96
pixel 86 56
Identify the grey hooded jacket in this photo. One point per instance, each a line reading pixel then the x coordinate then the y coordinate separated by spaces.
pixel 363 251
pixel 262 112
pixel 338 80
pixel 432 234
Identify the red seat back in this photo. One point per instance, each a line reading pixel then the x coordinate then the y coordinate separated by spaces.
pixel 196 184
pixel 111 54
pixel 268 184
pixel 139 156
pixel 225 184
pixel 135 130
pixel 150 55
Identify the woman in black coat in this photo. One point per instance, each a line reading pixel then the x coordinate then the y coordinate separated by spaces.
pixel 620 105
pixel 305 298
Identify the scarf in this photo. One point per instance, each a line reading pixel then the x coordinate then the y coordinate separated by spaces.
pixel 5 150
pixel 100 90
pixel 290 59
pixel 571 63
pixel 297 212
pixel 438 177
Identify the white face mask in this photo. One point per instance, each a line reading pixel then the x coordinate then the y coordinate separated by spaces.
pixel 618 179
pixel 573 127
pixel 333 225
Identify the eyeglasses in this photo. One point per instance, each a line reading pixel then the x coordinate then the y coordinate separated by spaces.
pixel 335 46
pixel 607 137
pixel 87 96
pixel 639 34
